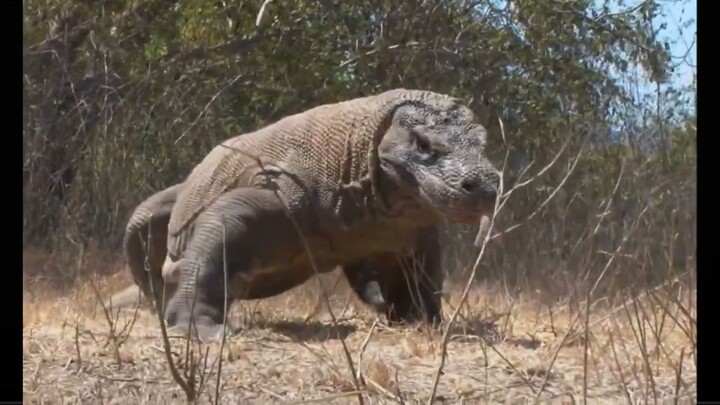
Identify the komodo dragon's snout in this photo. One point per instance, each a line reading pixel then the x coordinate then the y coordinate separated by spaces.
pixel 441 159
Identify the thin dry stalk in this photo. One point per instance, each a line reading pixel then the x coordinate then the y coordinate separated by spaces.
pixel 188 387
pixel 362 349
pixel 380 389
pixel 640 335
pixel 259 18
pixel 346 305
pixel 225 319
pixel 446 334
pixel 586 347
pixel 331 365
pixel 555 354
pixel 116 338
pixel 272 394
pixel 548 199
pixel 588 307
pixel 506 329
pixel 691 321
pixel 501 200
pixel 466 290
pixel 77 347
pixel 331 397
pixel 514 369
pixel 678 376
pixel 673 299
pixel 626 391
pixel 319 301
pixel 625 350
pixel 398 393
pixel 209 103
pixel 203 371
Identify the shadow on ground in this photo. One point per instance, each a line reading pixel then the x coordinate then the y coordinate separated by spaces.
pixel 469 329
pixel 312 331
pixel 488 330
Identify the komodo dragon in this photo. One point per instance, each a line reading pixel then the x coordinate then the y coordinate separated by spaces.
pixel 149 220
pixel 361 184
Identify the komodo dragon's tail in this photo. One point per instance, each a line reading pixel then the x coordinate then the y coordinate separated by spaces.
pixel 131 295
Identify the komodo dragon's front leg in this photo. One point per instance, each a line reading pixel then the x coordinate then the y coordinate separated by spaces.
pixel 240 227
pixel 410 285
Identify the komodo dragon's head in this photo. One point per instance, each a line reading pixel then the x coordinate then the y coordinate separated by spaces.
pixel 435 150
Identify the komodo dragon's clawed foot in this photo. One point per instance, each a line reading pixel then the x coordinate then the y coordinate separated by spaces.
pixel 214 333
pixel 204 321
pixel 207 331
pixel 373 295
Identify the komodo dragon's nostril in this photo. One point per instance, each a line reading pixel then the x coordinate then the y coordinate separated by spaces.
pixel 478 188
pixel 469 186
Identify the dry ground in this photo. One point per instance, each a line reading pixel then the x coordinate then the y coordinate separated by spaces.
pixel 502 350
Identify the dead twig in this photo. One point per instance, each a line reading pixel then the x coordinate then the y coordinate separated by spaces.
pixel 187 387
pixel 362 349
pixel 77 347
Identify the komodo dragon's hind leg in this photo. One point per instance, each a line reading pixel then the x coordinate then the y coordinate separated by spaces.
pixel 410 285
pixel 237 228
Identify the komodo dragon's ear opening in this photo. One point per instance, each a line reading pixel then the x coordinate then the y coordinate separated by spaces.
pixel 422 143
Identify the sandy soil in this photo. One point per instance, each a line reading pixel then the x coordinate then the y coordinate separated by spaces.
pixel 500 351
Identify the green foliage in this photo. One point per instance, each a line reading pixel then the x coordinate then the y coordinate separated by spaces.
pixel 122 98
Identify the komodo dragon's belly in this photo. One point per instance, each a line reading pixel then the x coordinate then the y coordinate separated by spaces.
pixel 272 273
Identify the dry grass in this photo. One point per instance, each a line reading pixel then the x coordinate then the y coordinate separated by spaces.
pixel 501 350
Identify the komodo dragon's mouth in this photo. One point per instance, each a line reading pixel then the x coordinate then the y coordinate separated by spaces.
pixel 456 207
pixel 478 214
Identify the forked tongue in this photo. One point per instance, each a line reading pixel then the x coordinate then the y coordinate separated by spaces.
pixel 484 229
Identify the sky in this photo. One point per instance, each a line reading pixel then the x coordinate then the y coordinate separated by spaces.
pixel 679 17
pixel 681 32
pixel 677 13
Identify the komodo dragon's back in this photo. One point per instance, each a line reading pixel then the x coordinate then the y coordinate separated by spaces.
pixel 319 150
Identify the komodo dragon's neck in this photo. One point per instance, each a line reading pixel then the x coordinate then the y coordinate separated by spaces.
pixel 375 197
pixel 364 191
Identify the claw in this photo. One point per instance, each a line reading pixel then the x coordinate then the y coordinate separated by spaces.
pixel 214 333
pixel 210 333
pixel 373 293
